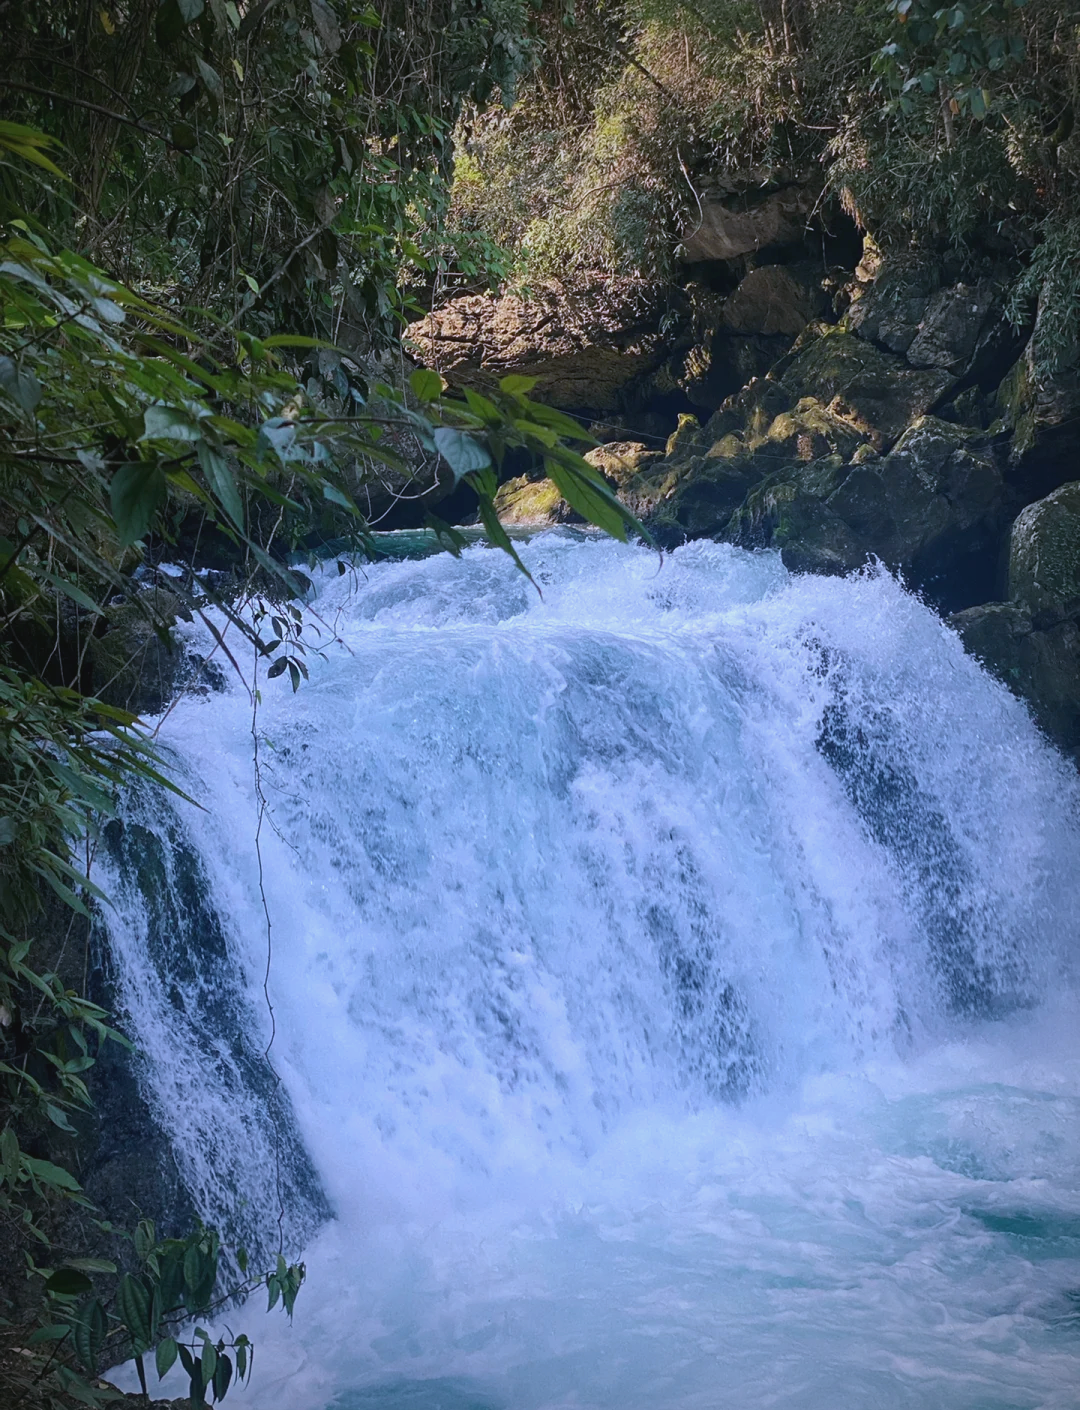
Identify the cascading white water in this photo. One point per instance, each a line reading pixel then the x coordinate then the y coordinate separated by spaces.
pixel 673 981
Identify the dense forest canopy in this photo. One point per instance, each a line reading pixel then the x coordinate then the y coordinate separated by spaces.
pixel 216 219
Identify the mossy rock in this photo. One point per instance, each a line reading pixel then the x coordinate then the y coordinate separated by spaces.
pixel 525 501
pixel 1040 666
pixel 783 515
pixel 1044 552
pixel 877 393
pixel 934 508
pixel 137 664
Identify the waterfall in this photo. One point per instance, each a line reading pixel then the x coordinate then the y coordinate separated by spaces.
pixel 672 980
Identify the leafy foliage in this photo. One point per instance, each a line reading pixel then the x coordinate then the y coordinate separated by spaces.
pixel 930 125
pixel 126 419
pixel 281 163
pixel 146 1311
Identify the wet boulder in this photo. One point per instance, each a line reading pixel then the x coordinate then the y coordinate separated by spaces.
pixel 715 469
pixel 1044 552
pixel 792 515
pixel 1036 655
pixel 1039 401
pixel 934 509
pixel 523 501
pixel 138 664
pixel 878 393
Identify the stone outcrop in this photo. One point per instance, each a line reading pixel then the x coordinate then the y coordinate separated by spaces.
pixel 1042 409
pixel 932 509
pixel 1037 657
pixel 637 473
pixel 772 300
pixel 137 665
pixel 735 339
pixel 715 467
pixel 740 222
pixel 1044 552
pixel 878 392
pixel 584 346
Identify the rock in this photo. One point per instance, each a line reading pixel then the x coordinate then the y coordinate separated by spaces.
pixel 725 361
pixel 584 346
pixel 951 327
pixel 738 223
pixel 933 509
pixel 628 466
pixel 1042 408
pixel 525 501
pixel 1044 552
pixel 810 537
pixel 1041 666
pixel 713 476
pixel 890 309
pixel 751 410
pixel 772 301
pixel 904 310
pixel 877 392
pixel 137 665
pixel 808 431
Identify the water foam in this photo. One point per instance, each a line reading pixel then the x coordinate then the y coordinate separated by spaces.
pixel 664 974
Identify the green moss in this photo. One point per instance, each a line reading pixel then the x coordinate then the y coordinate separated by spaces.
pixel 524 501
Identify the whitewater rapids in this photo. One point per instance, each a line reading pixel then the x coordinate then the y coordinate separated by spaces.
pixel 674 995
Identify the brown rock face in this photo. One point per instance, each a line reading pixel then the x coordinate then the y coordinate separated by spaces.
pixel 772 301
pixel 583 346
pixel 740 224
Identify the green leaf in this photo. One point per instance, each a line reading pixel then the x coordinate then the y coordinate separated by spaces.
pixel 462 453
pixel 278 668
pixel 23 388
pixel 9 1154
pixel 144 1237
pixel 53 1333
pixel 222 482
pixel 593 501
pixel 516 385
pixel 482 407
pixel 58 1118
pixel 168 423
pixel 165 1356
pixel 90 1329
pixel 426 384
pixel 133 1304
pixel 136 492
pixel 50 1174
pixel 559 422
pixel 212 79
pixel 209 1362
pixel 332 493
pixel 190 9
pixel 279 435
pixel 69 1282
pixel 222 1376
